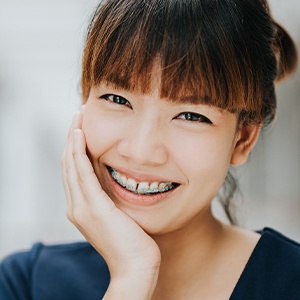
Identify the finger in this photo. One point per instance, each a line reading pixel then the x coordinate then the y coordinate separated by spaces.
pixel 87 178
pixel 75 198
pixel 65 181
pixel 68 169
pixel 64 160
pixel 76 121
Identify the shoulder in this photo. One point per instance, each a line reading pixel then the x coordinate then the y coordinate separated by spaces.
pixel 280 250
pixel 54 272
pixel 273 270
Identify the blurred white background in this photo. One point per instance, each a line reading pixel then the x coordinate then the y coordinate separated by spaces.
pixel 40 55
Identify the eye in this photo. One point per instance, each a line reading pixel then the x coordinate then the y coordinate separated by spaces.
pixel 116 99
pixel 194 117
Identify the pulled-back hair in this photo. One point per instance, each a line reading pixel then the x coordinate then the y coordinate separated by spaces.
pixel 227 52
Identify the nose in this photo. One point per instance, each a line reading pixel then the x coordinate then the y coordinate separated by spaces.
pixel 144 144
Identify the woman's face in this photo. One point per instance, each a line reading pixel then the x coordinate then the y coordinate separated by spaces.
pixel 172 158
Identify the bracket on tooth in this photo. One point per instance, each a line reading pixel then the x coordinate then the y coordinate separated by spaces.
pixel 142 191
pixel 130 188
pixel 163 187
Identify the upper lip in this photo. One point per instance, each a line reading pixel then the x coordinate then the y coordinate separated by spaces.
pixel 140 177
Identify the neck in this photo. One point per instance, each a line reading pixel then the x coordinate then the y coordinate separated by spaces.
pixel 187 252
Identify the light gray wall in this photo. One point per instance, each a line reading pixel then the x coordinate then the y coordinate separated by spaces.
pixel 271 180
pixel 40 50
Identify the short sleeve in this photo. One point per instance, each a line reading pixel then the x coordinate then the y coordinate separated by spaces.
pixel 15 274
pixel 73 271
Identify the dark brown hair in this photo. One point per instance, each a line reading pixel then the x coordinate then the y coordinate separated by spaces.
pixel 227 52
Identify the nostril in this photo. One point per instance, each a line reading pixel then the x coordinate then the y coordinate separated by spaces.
pixel 143 150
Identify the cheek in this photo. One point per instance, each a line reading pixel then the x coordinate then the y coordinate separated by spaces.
pixel 204 158
pixel 101 133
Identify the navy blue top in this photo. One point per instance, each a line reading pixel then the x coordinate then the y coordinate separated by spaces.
pixel 77 271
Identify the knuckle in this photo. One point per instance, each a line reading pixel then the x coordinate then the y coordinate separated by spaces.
pixel 79 217
pixel 70 216
pixel 76 216
pixel 74 153
pixel 83 178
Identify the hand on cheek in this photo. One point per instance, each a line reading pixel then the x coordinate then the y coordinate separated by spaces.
pixel 129 252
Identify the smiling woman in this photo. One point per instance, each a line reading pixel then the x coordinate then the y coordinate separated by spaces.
pixel 174 93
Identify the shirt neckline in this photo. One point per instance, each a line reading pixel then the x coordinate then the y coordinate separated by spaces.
pixel 263 233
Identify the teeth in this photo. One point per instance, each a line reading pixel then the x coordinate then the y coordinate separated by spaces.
pixel 143 187
pixel 118 176
pixel 164 186
pixel 131 185
pixel 123 180
pixel 154 187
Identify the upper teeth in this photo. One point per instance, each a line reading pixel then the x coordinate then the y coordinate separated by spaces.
pixel 142 187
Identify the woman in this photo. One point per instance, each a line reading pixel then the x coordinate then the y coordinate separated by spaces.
pixel 174 92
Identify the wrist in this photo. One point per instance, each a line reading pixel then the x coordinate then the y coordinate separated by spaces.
pixel 138 285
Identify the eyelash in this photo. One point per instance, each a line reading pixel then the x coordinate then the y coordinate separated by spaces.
pixel 188 116
pixel 194 117
pixel 116 99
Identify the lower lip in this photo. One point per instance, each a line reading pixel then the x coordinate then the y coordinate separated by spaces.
pixel 137 199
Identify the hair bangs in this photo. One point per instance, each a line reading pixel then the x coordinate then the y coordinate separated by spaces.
pixel 198 52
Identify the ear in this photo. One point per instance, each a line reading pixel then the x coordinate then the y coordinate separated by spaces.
pixel 246 139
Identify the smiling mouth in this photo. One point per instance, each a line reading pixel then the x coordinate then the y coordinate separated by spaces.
pixel 142 188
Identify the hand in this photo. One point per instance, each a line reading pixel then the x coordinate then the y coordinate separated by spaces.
pixel 132 256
